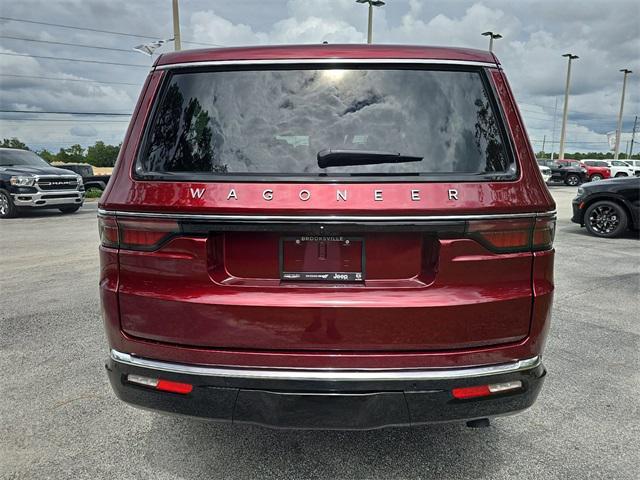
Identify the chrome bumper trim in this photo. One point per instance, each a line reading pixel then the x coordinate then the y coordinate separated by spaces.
pixel 327 374
pixel 75 197
pixel 321 218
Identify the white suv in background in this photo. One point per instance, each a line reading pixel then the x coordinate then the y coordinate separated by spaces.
pixel 620 168
pixel 546 173
pixel 635 164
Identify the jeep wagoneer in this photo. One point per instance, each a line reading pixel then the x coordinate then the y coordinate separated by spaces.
pixel 327 236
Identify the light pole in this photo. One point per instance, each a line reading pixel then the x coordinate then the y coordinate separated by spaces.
pixel 563 131
pixel 372 3
pixel 626 72
pixel 176 27
pixel 492 36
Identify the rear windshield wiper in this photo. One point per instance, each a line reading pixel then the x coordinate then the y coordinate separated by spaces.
pixel 345 158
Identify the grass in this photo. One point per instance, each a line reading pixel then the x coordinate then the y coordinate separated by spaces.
pixel 93 193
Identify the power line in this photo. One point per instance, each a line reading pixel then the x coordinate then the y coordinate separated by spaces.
pixel 85 80
pixel 110 32
pixel 67 113
pixel 69 44
pixel 76 60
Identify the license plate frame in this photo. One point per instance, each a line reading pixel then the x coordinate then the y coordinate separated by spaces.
pixel 332 276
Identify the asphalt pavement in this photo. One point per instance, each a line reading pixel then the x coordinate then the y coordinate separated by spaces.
pixel 59 418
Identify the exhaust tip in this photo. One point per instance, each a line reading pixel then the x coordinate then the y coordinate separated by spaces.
pixel 479 423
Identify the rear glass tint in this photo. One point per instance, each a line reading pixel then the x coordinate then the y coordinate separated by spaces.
pixel 274 122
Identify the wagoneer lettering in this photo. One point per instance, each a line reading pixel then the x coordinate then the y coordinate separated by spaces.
pixel 367 240
pixel 197 192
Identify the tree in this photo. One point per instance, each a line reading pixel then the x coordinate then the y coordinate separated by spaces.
pixel 73 154
pixel 101 155
pixel 47 155
pixel 13 143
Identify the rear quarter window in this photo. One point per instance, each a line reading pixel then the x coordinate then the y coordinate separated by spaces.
pixel 272 123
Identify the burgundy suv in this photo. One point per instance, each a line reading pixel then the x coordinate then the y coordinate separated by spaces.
pixel 330 236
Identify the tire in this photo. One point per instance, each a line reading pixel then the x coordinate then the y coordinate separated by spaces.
pixel 605 219
pixel 572 180
pixel 7 207
pixel 71 209
pixel 596 177
pixel 621 174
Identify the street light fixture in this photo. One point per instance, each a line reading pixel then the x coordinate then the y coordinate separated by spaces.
pixel 492 36
pixel 372 3
pixel 149 48
pixel 571 57
pixel 626 72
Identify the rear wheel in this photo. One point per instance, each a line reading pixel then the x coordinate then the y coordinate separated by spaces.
pixel 596 177
pixel 605 219
pixel 572 180
pixel 7 208
pixel 621 174
pixel 71 209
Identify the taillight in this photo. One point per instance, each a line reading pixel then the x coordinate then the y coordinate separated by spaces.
pixel 108 231
pixel 543 233
pixel 517 235
pixel 147 234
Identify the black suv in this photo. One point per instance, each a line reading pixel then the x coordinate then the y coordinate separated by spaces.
pixel 607 209
pixel 27 182
pixel 571 173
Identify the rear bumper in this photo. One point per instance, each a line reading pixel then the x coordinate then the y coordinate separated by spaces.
pixel 326 399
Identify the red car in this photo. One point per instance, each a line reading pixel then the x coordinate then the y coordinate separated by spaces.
pixel 330 236
pixel 594 172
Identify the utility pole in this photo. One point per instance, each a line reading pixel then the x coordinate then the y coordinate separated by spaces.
pixel 553 133
pixel 176 27
pixel 633 136
pixel 544 140
pixel 563 131
pixel 626 72
pixel 372 3
pixel 492 36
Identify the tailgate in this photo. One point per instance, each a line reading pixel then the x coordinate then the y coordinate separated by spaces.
pixel 322 286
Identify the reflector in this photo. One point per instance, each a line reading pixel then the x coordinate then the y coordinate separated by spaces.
pixel 485 390
pixel 471 392
pixel 159 384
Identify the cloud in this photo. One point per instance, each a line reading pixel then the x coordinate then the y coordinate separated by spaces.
pixel 83 131
pixel 536 33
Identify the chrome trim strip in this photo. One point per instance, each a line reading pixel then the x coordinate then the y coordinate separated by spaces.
pixel 327 374
pixel 294 61
pixel 321 218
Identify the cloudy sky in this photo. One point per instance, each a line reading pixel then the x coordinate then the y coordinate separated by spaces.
pixel 606 36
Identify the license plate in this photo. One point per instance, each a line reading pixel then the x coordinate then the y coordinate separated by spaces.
pixel 322 259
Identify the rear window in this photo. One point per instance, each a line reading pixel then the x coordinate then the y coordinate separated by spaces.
pixel 274 123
